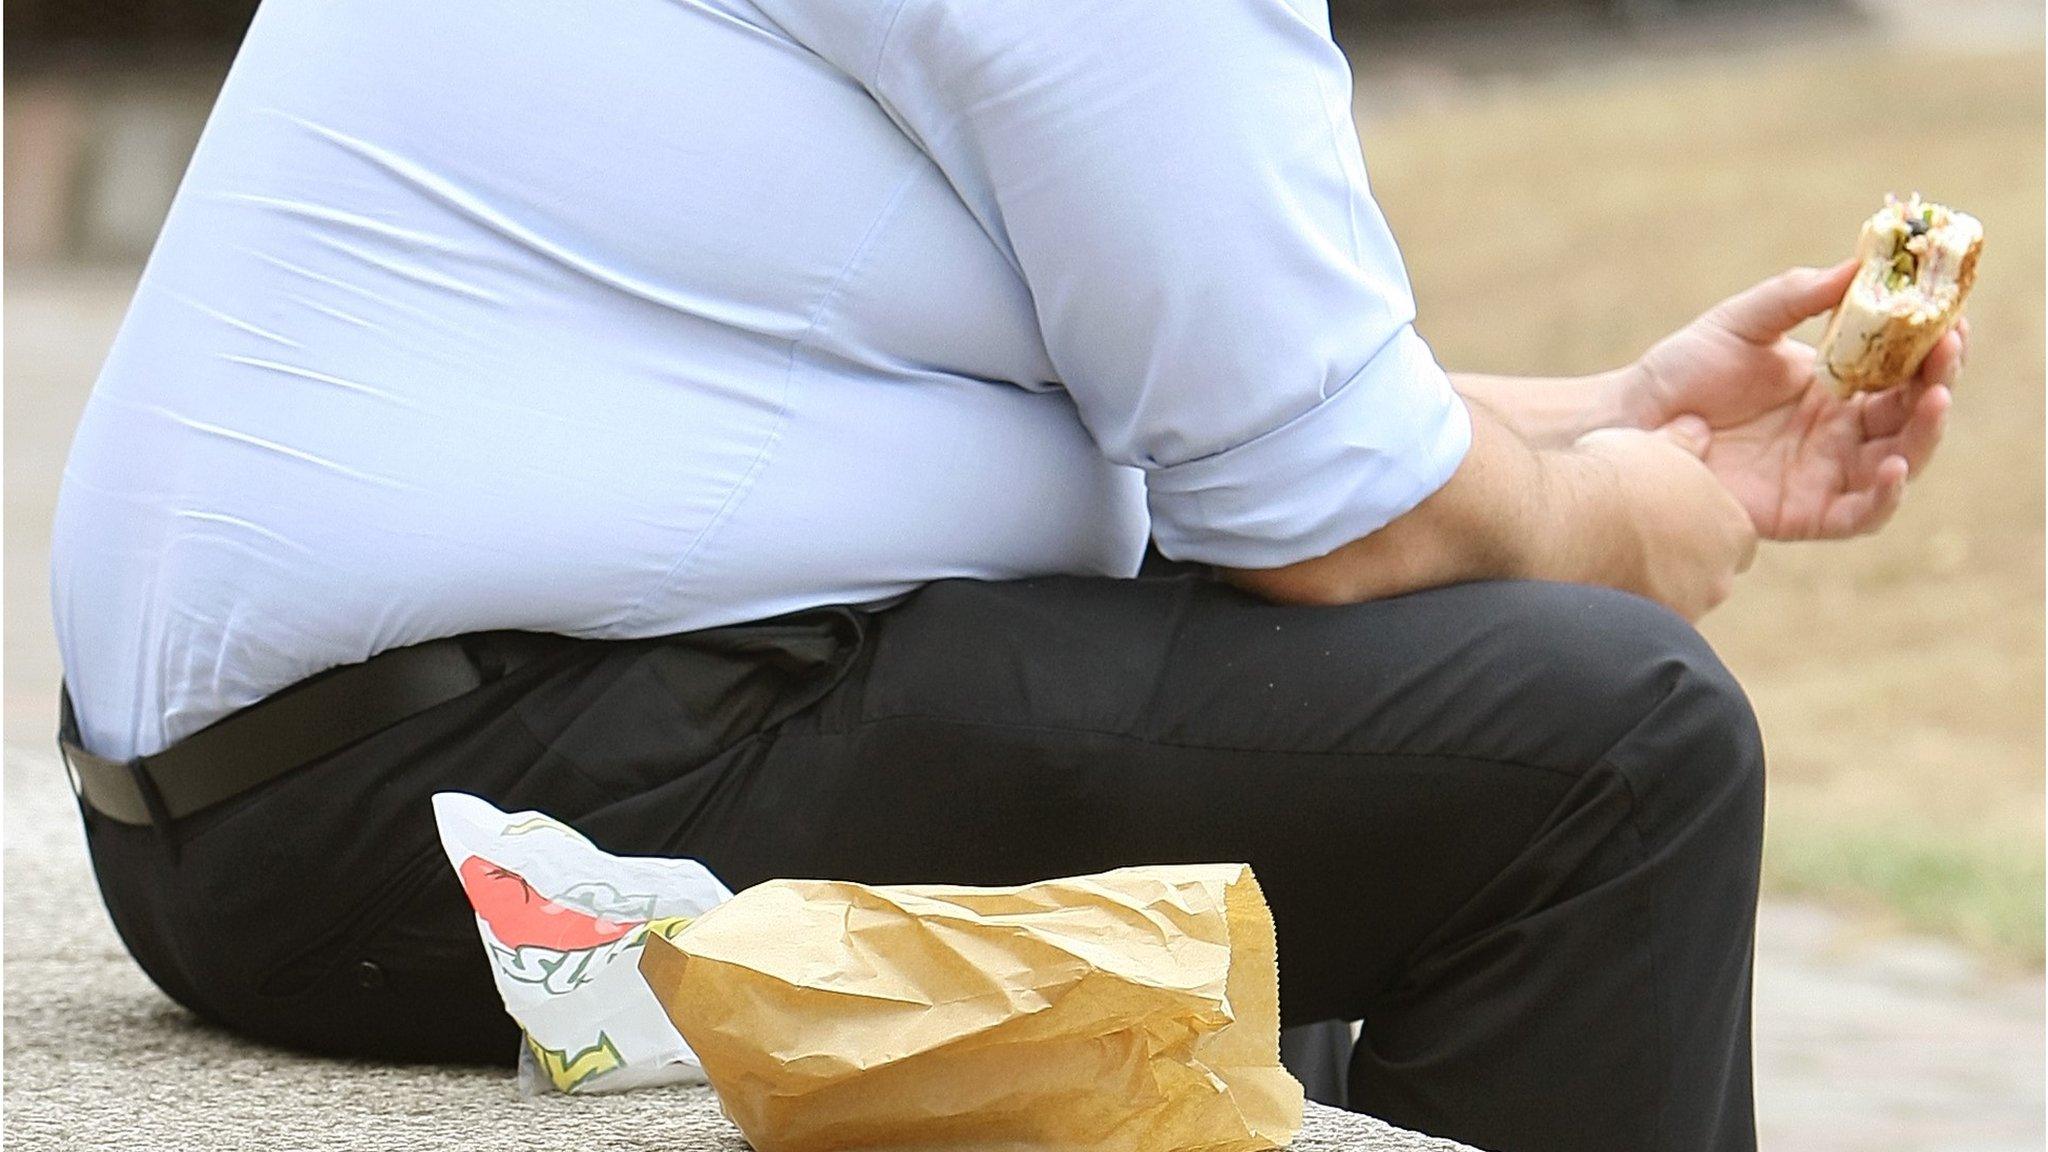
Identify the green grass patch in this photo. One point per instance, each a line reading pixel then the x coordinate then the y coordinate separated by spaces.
pixel 1986 890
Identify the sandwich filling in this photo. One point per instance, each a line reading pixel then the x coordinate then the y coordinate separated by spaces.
pixel 1917 261
pixel 1914 251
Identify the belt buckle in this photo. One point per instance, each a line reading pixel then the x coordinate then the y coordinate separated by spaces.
pixel 67 739
pixel 71 751
pixel 70 769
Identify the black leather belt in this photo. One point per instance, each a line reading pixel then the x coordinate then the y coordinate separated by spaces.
pixel 737 678
pixel 293 728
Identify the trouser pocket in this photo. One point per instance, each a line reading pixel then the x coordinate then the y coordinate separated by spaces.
pixel 338 943
pixel 405 978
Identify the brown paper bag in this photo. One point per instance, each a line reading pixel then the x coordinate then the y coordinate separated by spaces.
pixel 1133 1011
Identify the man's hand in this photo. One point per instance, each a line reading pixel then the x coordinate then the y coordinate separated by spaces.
pixel 1622 508
pixel 1693 537
pixel 1803 462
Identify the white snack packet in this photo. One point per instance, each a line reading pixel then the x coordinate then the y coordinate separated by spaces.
pixel 563 923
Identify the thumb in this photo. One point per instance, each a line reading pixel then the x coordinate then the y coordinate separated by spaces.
pixel 1690 433
pixel 1766 311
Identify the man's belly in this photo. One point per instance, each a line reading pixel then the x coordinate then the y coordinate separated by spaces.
pixel 878 485
pixel 200 567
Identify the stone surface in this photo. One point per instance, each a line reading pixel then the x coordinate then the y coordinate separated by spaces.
pixel 100 1060
pixel 1871 1042
pixel 96 1057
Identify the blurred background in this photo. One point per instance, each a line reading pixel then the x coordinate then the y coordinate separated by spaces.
pixel 1569 180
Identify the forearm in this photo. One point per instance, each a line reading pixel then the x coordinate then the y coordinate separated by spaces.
pixel 1511 511
pixel 1550 412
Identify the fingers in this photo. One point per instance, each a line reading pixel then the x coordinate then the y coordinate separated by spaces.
pixel 1867 509
pixel 1884 413
pixel 1763 313
pixel 1902 428
pixel 1943 361
pixel 1922 434
pixel 1914 436
pixel 1797 357
pixel 1690 433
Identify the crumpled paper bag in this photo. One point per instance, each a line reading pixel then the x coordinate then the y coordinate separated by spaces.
pixel 1132 1011
pixel 563 922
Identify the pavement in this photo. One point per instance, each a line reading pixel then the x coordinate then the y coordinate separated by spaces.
pixel 1865 1040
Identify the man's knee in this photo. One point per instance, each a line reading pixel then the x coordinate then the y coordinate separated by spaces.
pixel 1691 750
pixel 1603 678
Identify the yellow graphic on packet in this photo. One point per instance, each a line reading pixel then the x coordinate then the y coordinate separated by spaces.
pixel 562 924
pixel 665 927
pixel 566 1072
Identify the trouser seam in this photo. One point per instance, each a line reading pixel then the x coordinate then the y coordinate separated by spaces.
pixel 1660 989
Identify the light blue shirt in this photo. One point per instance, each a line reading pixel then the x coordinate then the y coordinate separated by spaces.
pixel 642 317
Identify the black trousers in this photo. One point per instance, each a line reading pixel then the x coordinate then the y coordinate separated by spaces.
pixel 1512 827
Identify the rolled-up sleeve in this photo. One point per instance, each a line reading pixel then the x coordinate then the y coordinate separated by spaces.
pixel 1180 187
pixel 1350 463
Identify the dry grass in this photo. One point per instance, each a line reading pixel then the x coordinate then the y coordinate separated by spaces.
pixel 1560 225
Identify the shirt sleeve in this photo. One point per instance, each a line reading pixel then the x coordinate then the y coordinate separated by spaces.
pixel 1180 186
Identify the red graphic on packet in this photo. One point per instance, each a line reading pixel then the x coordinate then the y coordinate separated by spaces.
pixel 520 917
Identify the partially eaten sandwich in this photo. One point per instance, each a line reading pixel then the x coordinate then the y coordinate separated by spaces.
pixel 1918 261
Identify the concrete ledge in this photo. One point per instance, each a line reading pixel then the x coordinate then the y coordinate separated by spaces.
pixel 1328 1130
pixel 98 1059
pixel 698 1127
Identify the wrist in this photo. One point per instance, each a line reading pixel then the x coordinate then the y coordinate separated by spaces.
pixel 1568 480
pixel 1626 397
pixel 1553 412
pixel 1591 533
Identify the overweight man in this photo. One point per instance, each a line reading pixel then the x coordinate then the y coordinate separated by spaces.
pixel 734 427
